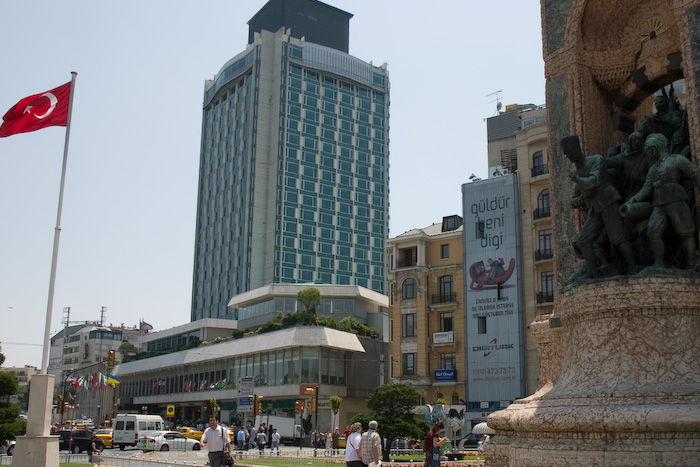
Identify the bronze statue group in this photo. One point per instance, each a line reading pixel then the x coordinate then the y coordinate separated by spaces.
pixel 638 204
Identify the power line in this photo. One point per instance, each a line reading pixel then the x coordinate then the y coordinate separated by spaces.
pixel 20 343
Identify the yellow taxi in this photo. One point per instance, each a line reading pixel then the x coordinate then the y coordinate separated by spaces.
pixel 191 433
pixel 105 434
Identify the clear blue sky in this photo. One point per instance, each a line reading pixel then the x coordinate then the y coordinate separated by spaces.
pixel 127 236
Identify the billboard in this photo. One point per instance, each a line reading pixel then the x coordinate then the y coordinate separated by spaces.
pixel 493 321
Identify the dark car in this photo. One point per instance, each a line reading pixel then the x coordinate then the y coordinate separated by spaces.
pixel 77 441
pixel 470 441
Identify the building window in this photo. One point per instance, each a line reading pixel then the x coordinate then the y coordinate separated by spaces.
pixel 538 167
pixel 544 250
pixel 446 322
pixel 480 227
pixel 408 289
pixel 446 289
pixel 408 325
pixel 547 287
pixel 444 251
pixel 408 364
pixel 447 361
pixel 482 324
pixel 543 208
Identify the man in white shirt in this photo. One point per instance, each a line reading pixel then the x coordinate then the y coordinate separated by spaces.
pixel 218 442
pixel 352 446
pixel 275 441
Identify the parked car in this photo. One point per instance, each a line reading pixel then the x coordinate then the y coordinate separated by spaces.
pixel 77 441
pixel 8 448
pixel 191 433
pixel 469 441
pixel 105 434
pixel 167 441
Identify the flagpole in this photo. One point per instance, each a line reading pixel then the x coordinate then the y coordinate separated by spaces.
pixel 57 234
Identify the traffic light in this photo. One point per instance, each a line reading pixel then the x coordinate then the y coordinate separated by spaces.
pixel 110 358
pixel 312 405
pixel 298 407
pixel 60 405
pixel 257 405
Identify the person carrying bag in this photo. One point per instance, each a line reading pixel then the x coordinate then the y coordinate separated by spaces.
pixel 432 444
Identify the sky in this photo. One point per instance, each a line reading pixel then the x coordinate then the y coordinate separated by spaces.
pixel 128 218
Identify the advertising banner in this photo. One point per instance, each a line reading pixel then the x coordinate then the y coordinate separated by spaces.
pixel 493 289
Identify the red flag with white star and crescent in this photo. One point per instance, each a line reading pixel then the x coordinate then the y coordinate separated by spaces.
pixel 39 111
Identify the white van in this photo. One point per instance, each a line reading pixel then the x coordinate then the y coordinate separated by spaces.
pixel 128 428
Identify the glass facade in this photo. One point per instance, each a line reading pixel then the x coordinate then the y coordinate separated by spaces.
pixel 299 365
pixel 327 179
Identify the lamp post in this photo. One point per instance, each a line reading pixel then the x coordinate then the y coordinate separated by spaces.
pixel 144 408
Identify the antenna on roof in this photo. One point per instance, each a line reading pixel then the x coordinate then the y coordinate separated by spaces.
pixel 499 104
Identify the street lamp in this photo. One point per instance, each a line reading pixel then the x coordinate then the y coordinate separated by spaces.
pixel 144 408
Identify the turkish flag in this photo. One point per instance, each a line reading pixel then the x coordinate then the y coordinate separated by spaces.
pixel 39 111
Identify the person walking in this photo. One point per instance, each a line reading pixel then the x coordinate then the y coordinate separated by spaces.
pixel 275 441
pixel 335 440
pixel 261 439
pixel 217 441
pixel 352 446
pixel 94 452
pixel 240 438
pixel 371 446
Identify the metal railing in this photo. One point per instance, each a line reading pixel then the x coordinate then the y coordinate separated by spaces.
pixel 541 213
pixel 546 253
pixel 545 297
pixel 444 298
pixel 539 170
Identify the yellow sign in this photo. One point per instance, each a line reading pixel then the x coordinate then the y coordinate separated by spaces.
pixel 170 412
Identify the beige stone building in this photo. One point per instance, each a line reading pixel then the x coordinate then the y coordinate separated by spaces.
pixel 426 311
pixel 517 142
pixel 536 236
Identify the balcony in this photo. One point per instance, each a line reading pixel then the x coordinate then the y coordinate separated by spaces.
pixel 444 298
pixel 405 263
pixel 545 297
pixel 445 337
pixel 544 254
pixel 541 213
pixel 539 170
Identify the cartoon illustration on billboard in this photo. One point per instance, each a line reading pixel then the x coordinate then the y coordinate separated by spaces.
pixel 496 274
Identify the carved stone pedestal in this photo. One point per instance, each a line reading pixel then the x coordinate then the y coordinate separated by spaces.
pixel 629 389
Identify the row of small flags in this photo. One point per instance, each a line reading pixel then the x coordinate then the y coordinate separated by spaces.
pixel 190 386
pixel 93 382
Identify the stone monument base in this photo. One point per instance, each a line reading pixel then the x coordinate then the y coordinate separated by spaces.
pixel 629 389
pixel 36 451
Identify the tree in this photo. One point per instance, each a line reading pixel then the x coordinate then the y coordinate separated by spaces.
pixel 335 408
pixel 391 406
pixel 310 298
pixel 127 350
pixel 10 425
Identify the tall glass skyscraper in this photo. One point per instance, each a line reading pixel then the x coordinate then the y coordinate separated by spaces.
pixel 293 183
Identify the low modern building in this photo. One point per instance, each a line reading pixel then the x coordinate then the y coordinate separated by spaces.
pixel 278 365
